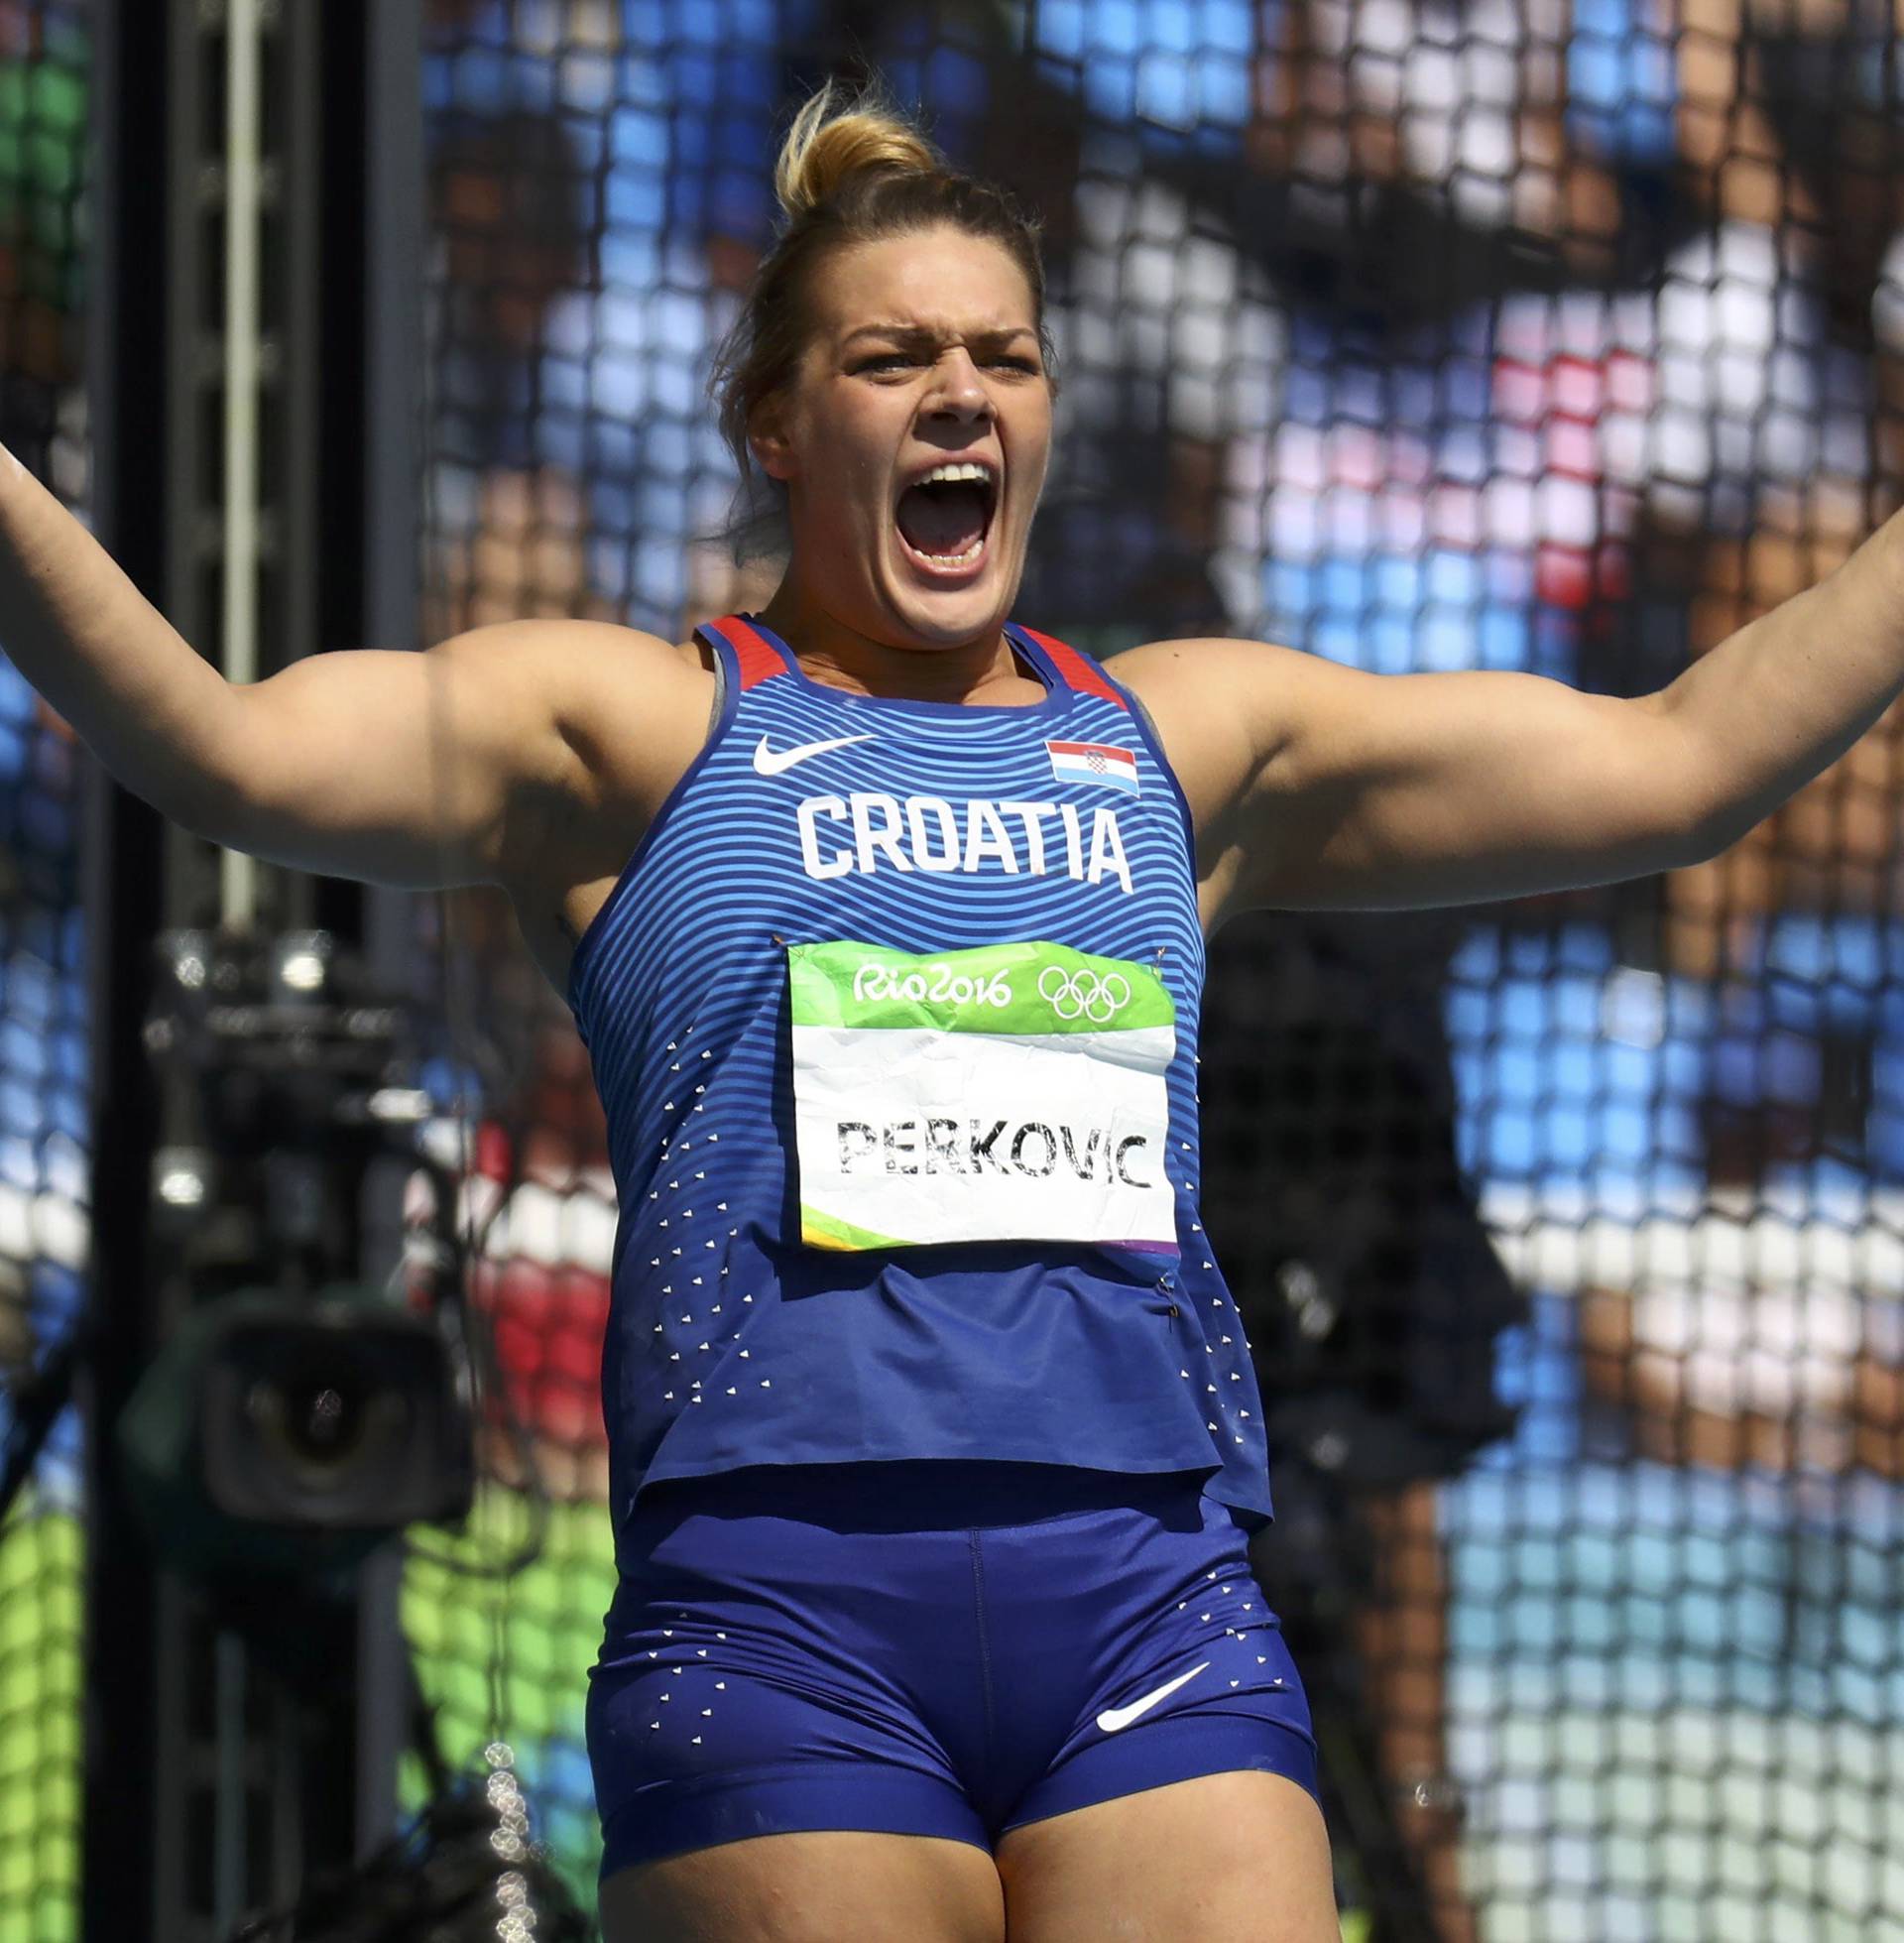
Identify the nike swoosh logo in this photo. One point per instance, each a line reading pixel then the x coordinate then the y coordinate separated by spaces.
pixel 1114 1718
pixel 769 762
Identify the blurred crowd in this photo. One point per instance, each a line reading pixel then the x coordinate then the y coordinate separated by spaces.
pixel 1562 336
pixel 44 1066
pixel 1553 335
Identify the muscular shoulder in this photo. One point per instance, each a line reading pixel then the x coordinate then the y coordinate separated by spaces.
pixel 563 662
pixel 1221 709
pixel 1207 664
pixel 593 684
pixel 600 718
pixel 598 674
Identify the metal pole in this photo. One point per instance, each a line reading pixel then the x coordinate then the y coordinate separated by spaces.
pixel 391 474
pixel 122 889
pixel 243 330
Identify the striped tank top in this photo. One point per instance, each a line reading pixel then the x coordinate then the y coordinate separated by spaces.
pixel 893 1015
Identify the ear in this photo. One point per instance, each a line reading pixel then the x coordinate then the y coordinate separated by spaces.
pixel 768 440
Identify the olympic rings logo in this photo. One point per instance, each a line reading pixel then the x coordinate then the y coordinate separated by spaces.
pixel 1082 993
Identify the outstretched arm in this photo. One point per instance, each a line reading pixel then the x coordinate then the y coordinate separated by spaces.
pixel 391 766
pixel 1316 787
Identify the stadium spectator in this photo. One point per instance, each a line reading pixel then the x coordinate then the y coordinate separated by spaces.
pixel 1781 375
pixel 507 527
pixel 1372 1301
pixel 638 142
pixel 1778 430
pixel 536 1210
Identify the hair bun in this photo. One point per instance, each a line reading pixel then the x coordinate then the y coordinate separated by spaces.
pixel 834 139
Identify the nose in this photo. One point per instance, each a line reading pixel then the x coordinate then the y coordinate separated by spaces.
pixel 958 392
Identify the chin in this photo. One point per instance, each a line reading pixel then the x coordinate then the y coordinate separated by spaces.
pixel 938 620
pixel 948 616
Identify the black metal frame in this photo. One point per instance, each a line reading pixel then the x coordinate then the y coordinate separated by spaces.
pixel 213 1782
pixel 126 350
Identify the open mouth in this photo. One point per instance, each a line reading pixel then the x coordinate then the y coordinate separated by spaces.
pixel 945 517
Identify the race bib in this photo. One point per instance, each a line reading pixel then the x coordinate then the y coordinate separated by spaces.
pixel 1011 1093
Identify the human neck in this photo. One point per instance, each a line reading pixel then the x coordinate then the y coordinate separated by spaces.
pixel 837 655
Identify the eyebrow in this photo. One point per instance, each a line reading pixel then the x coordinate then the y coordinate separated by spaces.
pixel 926 334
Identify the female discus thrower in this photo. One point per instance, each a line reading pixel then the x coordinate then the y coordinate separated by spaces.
pixel 935 1442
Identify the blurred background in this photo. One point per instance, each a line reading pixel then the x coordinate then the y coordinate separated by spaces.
pixel 1556 335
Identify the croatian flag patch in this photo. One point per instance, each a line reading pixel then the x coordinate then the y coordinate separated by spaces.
pixel 1094 762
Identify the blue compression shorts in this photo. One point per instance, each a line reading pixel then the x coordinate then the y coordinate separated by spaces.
pixel 927 1648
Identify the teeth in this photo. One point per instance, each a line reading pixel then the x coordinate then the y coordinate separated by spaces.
pixel 955 559
pixel 956 473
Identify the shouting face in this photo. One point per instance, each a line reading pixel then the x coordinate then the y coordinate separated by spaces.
pixel 912 439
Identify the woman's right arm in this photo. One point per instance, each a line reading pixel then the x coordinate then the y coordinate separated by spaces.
pixel 412 770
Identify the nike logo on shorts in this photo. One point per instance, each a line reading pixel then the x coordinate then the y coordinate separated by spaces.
pixel 769 762
pixel 1114 1718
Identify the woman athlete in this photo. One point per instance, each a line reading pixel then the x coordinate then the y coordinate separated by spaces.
pixel 934 1447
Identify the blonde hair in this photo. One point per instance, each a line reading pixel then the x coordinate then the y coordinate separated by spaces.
pixel 853 168
pixel 832 141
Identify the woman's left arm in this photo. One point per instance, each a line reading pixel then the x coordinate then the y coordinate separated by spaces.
pixel 1319 786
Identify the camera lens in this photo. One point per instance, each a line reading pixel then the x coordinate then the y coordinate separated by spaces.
pixel 315 1419
pixel 325 1422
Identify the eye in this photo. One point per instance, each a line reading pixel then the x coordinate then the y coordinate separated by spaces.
pixel 1027 365
pixel 884 361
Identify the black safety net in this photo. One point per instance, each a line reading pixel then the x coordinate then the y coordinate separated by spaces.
pixel 1568 1231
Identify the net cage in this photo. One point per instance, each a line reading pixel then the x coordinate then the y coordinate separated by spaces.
pixel 44 1132
pixel 1553 335
pixel 1417 337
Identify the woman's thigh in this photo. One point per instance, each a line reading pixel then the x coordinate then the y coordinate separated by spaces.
pixel 1232 1857
pixel 816 1887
